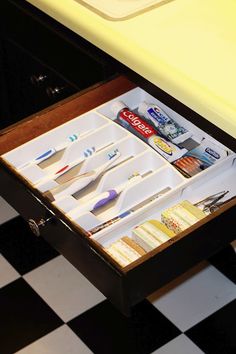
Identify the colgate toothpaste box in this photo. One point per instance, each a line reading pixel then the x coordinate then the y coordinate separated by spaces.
pixel 139 127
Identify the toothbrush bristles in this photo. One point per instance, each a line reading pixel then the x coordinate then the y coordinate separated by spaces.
pixel 135 174
pixel 73 137
pixel 89 151
pixel 113 153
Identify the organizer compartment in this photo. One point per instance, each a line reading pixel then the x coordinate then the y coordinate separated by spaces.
pixel 121 175
pixel 134 97
pixel 30 150
pixel 198 189
pixel 98 139
pixel 156 177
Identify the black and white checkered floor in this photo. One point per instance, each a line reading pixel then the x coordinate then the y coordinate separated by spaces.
pixel 48 307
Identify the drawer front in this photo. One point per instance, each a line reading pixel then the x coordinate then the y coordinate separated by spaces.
pixel 70 243
pixel 124 287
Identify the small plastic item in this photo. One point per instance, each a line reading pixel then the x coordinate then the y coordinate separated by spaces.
pixel 200 158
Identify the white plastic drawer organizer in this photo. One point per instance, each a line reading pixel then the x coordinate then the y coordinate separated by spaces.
pixel 99 173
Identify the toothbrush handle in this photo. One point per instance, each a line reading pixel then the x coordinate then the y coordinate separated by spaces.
pixel 52 151
pixel 105 198
pixel 73 186
pixel 45 156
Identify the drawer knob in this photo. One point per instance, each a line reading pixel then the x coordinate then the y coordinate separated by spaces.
pixel 54 92
pixel 35 226
pixel 38 80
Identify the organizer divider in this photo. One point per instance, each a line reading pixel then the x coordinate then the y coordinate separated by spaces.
pixel 145 162
pixel 87 220
pixel 28 151
pixel 97 140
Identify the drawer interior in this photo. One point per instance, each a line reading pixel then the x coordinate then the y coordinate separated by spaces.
pixel 91 155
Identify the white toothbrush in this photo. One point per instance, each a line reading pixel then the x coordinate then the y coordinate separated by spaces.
pixel 79 182
pixel 104 198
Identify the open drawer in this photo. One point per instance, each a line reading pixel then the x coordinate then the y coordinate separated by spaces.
pixel 48 192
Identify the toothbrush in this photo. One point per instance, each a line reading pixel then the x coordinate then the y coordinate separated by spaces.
pixel 105 197
pixel 126 213
pixel 78 182
pixel 49 153
pixel 68 166
pixel 87 152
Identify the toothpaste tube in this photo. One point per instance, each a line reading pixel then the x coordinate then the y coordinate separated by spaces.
pixel 139 127
pixel 164 124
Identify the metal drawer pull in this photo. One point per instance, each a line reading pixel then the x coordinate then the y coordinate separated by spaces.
pixel 54 92
pixel 38 80
pixel 35 226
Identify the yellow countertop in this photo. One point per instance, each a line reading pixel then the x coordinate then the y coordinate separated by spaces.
pixel 185 47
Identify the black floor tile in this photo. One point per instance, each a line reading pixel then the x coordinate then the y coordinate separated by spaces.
pixel 22 248
pixel 24 317
pixel 225 262
pixel 105 330
pixel 217 333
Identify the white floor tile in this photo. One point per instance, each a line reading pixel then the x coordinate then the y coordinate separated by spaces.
pixel 65 289
pixel 194 296
pixel 7 272
pixel 179 345
pixel 6 211
pixel 61 341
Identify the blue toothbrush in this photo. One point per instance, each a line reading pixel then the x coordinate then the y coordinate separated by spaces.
pixel 59 147
pixel 49 153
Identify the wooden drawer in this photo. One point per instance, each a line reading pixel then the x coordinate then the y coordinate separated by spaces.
pixel 124 286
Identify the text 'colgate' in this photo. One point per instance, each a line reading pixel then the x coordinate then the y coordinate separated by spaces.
pixel 137 123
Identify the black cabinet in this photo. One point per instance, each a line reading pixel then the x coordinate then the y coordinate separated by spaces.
pixel 29 85
pixel 41 62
